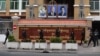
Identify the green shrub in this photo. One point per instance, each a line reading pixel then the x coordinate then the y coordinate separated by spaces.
pixel 26 40
pixel 41 40
pixel 56 40
pixel 71 41
pixel 11 38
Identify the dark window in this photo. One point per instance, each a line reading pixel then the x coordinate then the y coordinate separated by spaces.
pixel 24 3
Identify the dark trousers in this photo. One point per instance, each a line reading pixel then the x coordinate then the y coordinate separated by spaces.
pixel 82 40
pixel 94 42
pixel 97 43
pixel 5 40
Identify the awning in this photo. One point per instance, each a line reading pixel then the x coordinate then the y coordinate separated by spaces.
pixel 53 22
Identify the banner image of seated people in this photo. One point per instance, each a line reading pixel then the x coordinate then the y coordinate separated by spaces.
pixel 62 11
pixel 52 11
pixel 42 11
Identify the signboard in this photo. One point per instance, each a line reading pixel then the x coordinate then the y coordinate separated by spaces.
pixel 14 27
pixel 33 32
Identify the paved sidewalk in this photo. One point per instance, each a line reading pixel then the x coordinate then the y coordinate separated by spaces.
pixel 90 49
pixel 2 46
pixel 81 50
pixel 85 49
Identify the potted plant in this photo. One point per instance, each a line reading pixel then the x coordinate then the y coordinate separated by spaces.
pixel 56 43
pixel 71 45
pixel 12 42
pixel 55 40
pixel 40 44
pixel 71 41
pixel 26 44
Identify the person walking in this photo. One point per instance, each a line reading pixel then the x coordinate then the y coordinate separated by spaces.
pixel 92 39
pixel 96 33
pixel 7 34
pixel 83 36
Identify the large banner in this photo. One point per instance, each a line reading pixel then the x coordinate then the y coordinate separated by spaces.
pixel 53 11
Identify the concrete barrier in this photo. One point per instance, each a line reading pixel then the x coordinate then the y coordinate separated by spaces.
pixel 13 45
pixel 26 45
pixel 30 45
pixel 56 45
pixel 40 45
pixel 71 46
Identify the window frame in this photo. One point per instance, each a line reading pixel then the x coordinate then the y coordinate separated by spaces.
pixel 2 5
pixel 93 6
pixel 19 6
pixel 26 3
pixel 14 5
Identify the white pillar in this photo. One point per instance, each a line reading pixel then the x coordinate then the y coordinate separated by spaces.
pixel 20 7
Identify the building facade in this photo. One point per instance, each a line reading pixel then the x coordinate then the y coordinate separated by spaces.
pixel 28 10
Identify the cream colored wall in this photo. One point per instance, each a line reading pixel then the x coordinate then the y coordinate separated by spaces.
pixel 7 7
pixel 27 12
pixel 40 2
pixel 76 8
pixel 31 2
pixel 2 13
pixel 86 2
pixel 87 30
pixel 16 31
pixel 89 23
pixel 86 11
pixel 36 12
pixel 76 12
pixel 77 1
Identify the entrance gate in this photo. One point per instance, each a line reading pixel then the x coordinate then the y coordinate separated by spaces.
pixel 4 24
